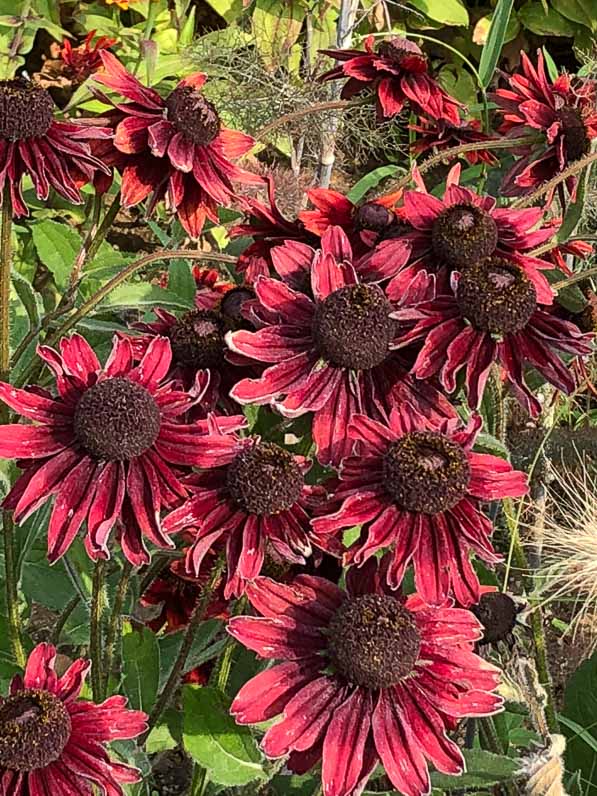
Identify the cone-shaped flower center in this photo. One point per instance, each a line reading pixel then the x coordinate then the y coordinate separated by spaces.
pixel 232 303
pixel 463 234
pixel 117 419
pixel 264 479
pixel 34 729
pixel 352 327
pixel 373 641
pixel 26 110
pixel 426 472
pixel 373 217
pixel 576 141
pixel 197 339
pixel 192 115
pixel 497 613
pixel 496 296
pixel 403 52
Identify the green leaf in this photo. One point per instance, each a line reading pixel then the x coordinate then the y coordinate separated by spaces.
pixel 29 298
pixel 214 740
pixel 552 69
pixel 144 295
pixel 489 444
pixel 140 667
pixel 536 20
pixel 181 280
pixel 448 12
pixel 483 769
pixel 57 246
pixel 230 10
pixel 579 719
pixel 495 41
pixel 581 11
pixel 170 645
pixel 372 180
pixel 276 27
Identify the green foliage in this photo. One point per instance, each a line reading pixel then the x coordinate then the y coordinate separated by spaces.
pixel 495 41
pixel 579 719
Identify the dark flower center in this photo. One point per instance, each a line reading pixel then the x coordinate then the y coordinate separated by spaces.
pixel 496 296
pixel 463 234
pixel 264 479
pixel 117 419
pixel 373 641
pixel 397 49
pixel 497 613
pixel 26 110
pixel 232 303
pixel 373 217
pixel 576 141
pixel 426 472
pixel 352 327
pixel 192 115
pixel 197 339
pixel 34 729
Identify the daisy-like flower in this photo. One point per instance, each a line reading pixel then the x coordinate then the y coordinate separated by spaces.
pixel 416 487
pixel 330 354
pixel 200 357
pixel 364 677
pixel 268 227
pixel 364 224
pixel 456 231
pixel 83 60
pixel 564 114
pixel 54 744
pixel 175 148
pixel 493 313
pixel 109 446
pixel 32 142
pixel 253 496
pixel 398 72
pixel 439 135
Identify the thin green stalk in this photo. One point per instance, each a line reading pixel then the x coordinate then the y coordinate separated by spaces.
pixel 97 611
pixel 200 781
pixel 198 615
pixel 64 617
pixel 114 624
pixel 12 596
pixel 547 187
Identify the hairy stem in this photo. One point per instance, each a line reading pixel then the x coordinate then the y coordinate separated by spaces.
pixel 64 617
pixel 198 615
pixel 12 596
pixel 317 107
pixel 114 624
pixel 95 646
pixel 547 187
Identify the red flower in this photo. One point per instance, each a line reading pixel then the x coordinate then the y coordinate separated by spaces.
pixel 441 135
pixel 53 154
pixel 210 278
pixel 455 231
pixel 84 60
pixel 331 354
pixel 268 227
pixel 363 224
pixel 108 446
pixel 492 314
pixel 200 358
pixel 54 744
pixel 398 72
pixel 176 148
pixel 564 111
pixel 364 678
pixel 253 496
pixel 416 487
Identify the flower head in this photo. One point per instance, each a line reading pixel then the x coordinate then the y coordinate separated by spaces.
pixel 83 60
pixel 493 313
pixel 330 354
pixel 415 487
pixel 109 446
pixel 54 743
pixel 563 113
pixel 364 677
pixel 175 149
pixel 398 72
pixel 32 142
pixel 439 135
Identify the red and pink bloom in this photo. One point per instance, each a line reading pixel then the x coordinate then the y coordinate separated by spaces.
pixel 52 743
pixel 415 488
pixel 363 677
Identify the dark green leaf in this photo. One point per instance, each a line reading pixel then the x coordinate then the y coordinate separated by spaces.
pixel 579 720
pixel 215 741
pixel 140 667
pixel 483 769
pixel 495 41
pixel 372 180
pixel 57 246
pixel 144 295
pixel 181 281
pixel 536 20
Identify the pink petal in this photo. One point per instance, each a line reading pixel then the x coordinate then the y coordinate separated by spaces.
pixel 71 507
pixel 266 694
pixel 32 442
pixel 344 744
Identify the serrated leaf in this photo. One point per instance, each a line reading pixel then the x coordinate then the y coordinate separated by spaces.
pixel 57 246
pixel 214 740
pixel 495 41
pixel 483 769
pixel 490 444
pixel 140 667
pixel 448 12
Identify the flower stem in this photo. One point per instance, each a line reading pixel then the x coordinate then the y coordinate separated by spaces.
pixel 114 624
pixel 73 603
pixel 12 597
pixel 200 781
pixel 547 187
pixel 164 699
pixel 97 610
